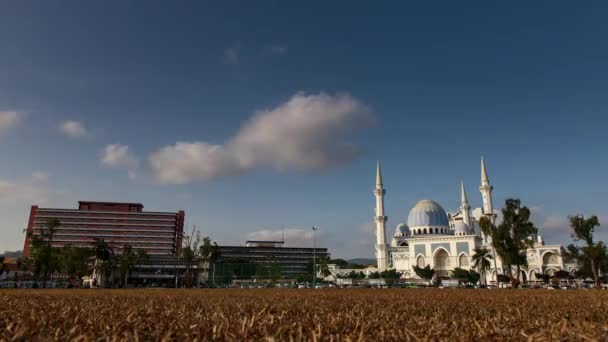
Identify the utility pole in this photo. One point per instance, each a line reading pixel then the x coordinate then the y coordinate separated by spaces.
pixel 314 258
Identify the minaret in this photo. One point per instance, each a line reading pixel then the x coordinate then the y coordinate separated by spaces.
pixel 379 192
pixel 486 192
pixel 464 206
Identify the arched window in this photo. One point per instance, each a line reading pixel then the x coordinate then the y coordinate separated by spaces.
pixel 463 260
pixel 441 230
pixel 403 244
pixel 424 231
pixel 419 231
pixel 436 230
pixel 549 258
pixel 420 261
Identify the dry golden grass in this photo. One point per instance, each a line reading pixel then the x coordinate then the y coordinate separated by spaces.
pixel 282 314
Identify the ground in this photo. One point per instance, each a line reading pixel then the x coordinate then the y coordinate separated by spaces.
pixel 298 314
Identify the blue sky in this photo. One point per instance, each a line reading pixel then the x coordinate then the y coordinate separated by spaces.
pixel 252 116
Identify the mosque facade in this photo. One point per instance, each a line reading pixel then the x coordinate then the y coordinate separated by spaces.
pixel 445 241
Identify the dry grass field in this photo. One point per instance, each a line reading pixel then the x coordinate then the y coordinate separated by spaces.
pixel 291 314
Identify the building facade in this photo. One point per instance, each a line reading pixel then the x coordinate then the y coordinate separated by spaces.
pixel 157 233
pixel 445 241
pixel 292 261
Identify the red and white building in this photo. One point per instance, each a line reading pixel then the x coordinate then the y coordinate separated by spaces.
pixel 158 233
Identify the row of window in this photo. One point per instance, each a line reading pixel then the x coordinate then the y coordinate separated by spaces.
pixel 429 231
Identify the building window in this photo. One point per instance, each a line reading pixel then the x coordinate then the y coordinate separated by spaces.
pixel 420 261
pixel 463 260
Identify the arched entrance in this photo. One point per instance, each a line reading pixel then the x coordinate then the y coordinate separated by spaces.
pixel 442 263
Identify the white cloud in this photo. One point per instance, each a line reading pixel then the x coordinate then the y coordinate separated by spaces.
pixel 119 156
pixel 293 236
pixel 308 132
pixel 8 119
pixel 73 129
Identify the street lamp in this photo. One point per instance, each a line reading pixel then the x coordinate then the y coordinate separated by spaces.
pixel 314 258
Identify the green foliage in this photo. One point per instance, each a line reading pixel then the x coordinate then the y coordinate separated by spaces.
pixel 44 257
pixel 390 276
pixel 356 275
pixel 75 261
pixel 460 274
pixel 466 276
pixel 127 259
pixel 374 275
pixel 510 239
pixel 424 272
pixel 482 260
pixel 593 256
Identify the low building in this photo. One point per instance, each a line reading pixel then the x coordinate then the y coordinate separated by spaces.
pixel 157 233
pixel 291 261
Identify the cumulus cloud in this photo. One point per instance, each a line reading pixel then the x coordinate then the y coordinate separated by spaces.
pixel 308 132
pixel 119 156
pixel 8 119
pixel 293 236
pixel 73 129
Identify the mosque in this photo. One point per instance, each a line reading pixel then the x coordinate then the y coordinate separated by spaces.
pixel 446 241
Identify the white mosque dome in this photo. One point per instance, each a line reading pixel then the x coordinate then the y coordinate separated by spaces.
pixel 427 213
pixel 402 230
pixel 461 228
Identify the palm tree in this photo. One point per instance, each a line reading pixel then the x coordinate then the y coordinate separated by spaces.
pixel 48 258
pixel 481 260
pixel 323 268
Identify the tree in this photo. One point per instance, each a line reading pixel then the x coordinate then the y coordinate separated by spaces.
pixel 461 274
pixel 473 277
pixel 323 267
pixel 511 239
pixel 374 275
pixel 390 276
pixel 188 253
pixel 75 261
pixel 44 257
pixel 481 261
pixel 208 253
pixel 127 259
pixel 103 259
pixel 424 272
pixel 593 254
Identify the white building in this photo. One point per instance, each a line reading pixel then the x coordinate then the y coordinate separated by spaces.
pixel 446 241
